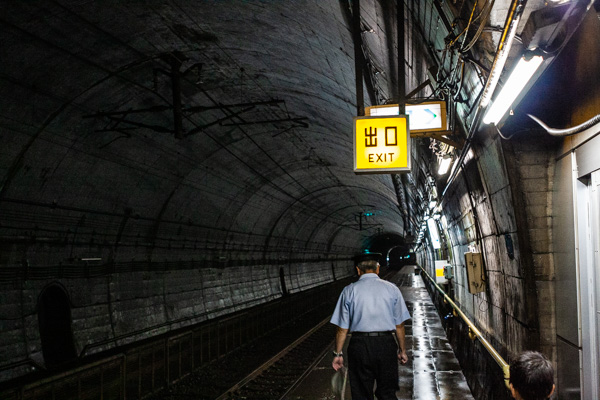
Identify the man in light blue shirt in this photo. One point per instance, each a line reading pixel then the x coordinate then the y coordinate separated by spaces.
pixel 372 310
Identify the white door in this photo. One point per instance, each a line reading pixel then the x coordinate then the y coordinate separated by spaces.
pixel 590 293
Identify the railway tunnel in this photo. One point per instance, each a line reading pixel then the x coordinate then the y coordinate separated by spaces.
pixel 179 178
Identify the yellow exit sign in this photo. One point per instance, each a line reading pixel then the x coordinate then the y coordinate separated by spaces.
pixel 381 144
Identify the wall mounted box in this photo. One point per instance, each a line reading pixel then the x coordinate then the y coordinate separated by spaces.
pixel 475 272
pixel 440 267
pixel 448 273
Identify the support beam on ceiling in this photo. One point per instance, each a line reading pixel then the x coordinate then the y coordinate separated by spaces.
pixel 401 61
pixel 402 95
pixel 418 89
pixel 358 58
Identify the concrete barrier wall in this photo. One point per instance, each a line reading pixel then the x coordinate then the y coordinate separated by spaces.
pixel 116 309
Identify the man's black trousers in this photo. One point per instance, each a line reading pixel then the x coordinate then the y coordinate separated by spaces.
pixel 373 359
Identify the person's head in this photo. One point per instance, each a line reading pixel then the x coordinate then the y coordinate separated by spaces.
pixel 368 266
pixel 531 377
pixel 367 263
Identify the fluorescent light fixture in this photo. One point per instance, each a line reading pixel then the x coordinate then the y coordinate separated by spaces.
pixel 515 83
pixel 444 165
pixel 470 155
pixel 498 64
pixel 434 235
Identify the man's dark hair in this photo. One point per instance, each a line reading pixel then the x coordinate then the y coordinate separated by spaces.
pixel 369 265
pixel 532 375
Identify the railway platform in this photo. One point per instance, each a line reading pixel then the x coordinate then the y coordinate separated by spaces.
pixel 432 372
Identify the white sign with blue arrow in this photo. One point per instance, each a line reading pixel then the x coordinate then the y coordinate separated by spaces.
pixel 428 116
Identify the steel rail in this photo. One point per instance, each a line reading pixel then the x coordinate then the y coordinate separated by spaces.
pixel 308 370
pixel 474 333
pixel 258 371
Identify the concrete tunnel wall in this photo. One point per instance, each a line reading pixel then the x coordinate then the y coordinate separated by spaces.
pixel 145 232
pixel 187 231
pixel 514 202
pixel 138 305
pixel 505 216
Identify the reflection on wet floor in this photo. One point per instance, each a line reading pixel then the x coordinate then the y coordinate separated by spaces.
pixel 432 372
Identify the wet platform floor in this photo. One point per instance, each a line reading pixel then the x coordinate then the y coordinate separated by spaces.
pixel 432 372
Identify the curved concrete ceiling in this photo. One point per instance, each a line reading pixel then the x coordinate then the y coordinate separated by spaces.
pixel 223 125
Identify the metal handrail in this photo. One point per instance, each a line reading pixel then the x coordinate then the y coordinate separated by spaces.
pixel 474 333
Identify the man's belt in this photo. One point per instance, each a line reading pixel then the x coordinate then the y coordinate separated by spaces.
pixel 380 333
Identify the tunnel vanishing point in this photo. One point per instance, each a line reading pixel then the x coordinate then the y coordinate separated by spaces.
pixel 167 163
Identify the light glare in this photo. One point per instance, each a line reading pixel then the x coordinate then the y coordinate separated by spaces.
pixel 444 165
pixel 433 233
pixel 514 85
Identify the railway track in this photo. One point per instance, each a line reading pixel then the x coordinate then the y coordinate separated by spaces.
pixel 278 361
pixel 269 367
pixel 278 376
